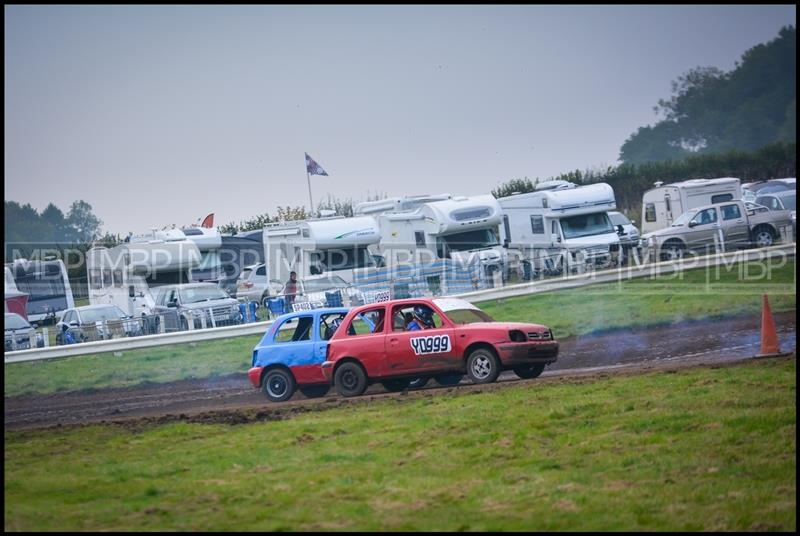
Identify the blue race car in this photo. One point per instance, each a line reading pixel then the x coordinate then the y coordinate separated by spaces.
pixel 290 354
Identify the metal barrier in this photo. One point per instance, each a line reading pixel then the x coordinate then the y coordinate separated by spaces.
pixel 154 330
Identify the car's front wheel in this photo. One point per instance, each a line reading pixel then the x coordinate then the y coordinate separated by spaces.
pixel 279 385
pixel 350 379
pixel 417 383
pixel 529 371
pixel 483 366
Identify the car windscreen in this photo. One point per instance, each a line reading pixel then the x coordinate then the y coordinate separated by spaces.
pixel 98 315
pixel 789 202
pixel 469 240
pixel 325 283
pixel 468 316
pixel 15 322
pixel 619 219
pixel 586 225
pixel 684 218
pixel 200 294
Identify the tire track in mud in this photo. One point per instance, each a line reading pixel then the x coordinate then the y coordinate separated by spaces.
pixel 231 399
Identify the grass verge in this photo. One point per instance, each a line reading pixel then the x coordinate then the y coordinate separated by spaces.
pixel 702 449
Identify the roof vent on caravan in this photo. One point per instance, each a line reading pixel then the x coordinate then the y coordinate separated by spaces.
pixel 555 185
pixel 658 184
pixel 326 213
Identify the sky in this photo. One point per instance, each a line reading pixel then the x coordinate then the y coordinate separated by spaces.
pixel 160 115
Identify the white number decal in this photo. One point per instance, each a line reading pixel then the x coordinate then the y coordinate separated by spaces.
pixel 435 344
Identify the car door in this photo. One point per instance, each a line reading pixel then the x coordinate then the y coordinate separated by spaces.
pixel 734 225
pixel 425 350
pixel 293 341
pixel 703 231
pixel 366 340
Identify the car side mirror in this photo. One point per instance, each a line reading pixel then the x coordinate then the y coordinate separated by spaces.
pixel 692 223
pixel 35 326
pixel 172 304
pixel 555 238
pixel 620 230
pixel 74 324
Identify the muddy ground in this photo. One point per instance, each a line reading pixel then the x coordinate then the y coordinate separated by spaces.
pixel 232 400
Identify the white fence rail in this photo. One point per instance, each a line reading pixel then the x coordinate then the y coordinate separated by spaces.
pixel 257 328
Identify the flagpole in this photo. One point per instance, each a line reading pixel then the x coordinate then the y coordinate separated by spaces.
pixel 308 176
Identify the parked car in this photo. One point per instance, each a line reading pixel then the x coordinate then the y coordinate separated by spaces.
pixel 95 322
pixel 19 333
pixel 701 228
pixel 752 190
pixel 783 200
pixel 628 233
pixel 290 354
pixel 253 285
pixel 313 290
pixel 199 302
pixel 374 345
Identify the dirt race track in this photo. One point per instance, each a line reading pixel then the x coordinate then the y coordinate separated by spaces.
pixel 232 400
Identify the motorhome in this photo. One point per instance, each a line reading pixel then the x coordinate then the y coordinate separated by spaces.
pixel 208 241
pixel 333 246
pixel 664 203
pixel 128 274
pixel 396 204
pixel 561 226
pixel 46 284
pixel 459 228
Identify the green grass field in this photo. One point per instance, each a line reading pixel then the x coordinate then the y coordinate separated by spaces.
pixel 641 302
pixel 704 449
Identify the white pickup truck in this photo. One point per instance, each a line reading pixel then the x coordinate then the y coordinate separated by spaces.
pixel 720 227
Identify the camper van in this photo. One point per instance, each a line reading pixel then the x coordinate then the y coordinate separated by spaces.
pixel 46 284
pixel 664 203
pixel 208 242
pixel 460 228
pixel 332 246
pixel 128 274
pixel 561 227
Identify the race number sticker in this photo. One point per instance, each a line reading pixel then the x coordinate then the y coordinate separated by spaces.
pixel 434 344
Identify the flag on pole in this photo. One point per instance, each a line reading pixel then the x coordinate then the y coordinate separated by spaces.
pixel 313 168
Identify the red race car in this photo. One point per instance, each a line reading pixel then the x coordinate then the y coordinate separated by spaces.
pixel 397 341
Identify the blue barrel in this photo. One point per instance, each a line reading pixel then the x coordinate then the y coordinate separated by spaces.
pixel 252 306
pixel 243 312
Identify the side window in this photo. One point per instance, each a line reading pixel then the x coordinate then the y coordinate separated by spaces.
pixel 731 212
pixel 419 237
pixel 118 278
pixel 537 224
pixel 327 325
pixel 261 270
pixel 721 198
pixel 68 317
pixel 106 277
pixel 366 323
pixel 650 212
pixel 295 329
pixel 403 315
pixel 94 278
pixel 706 216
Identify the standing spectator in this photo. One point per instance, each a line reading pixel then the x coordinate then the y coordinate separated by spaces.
pixel 290 290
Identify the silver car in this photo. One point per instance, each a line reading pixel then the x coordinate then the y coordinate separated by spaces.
pixel 19 334
pixel 204 304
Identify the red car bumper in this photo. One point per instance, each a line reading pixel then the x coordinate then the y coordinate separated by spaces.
pixel 514 353
pixel 255 376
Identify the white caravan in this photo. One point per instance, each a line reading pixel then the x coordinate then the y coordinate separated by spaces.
pixel 331 246
pixel 45 282
pixel 561 225
pixel 128 275
pixel 459 228
pixel 662 204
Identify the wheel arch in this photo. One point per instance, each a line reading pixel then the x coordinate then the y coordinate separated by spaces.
pixel 274 366
pixel 476 345
pixel 349 359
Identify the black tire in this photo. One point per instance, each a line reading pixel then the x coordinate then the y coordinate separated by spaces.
pixel 395 385
pixel 483 366
pixel 672 251
pixel 278 385
pixel 446 380
pixel 529 371
pixel 763 237
pixel 350 379
pixel 314 391
pixel 184 324
pixel 418 383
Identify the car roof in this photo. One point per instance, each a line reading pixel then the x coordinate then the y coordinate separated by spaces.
pixel 316 312
pixel 189 285
pixel 782 193
pixel 95 306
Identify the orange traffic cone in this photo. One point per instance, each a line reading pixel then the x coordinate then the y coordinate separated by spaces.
pixel 769 337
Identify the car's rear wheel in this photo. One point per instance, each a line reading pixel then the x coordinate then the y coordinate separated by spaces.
pixel 529 371
pixel 417 383
pixel 483 366
pixel 447 380
pixel 279 385
pixel 395 385
pixel 763 237
pixel 350 379
pixel 672 251
pixel 314 391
